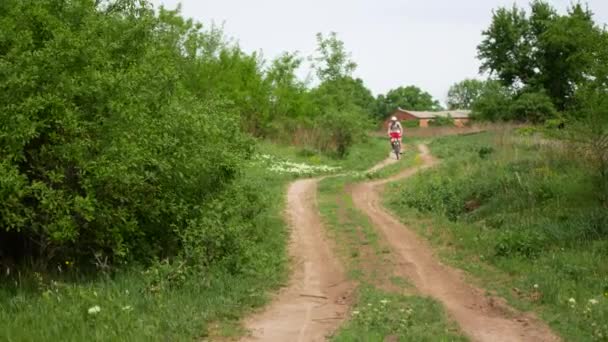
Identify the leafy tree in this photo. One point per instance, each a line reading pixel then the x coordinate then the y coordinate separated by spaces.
pixel 533 107
pixel 507 47
pixel 462 95
pixel 343 103
pixel 410 97
pixel 332 62
pixel 494 103
pixel 539 51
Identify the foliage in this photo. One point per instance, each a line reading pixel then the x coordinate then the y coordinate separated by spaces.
pixel 463 95
pixel 102 143
pixel 332 62
pixel 541 50
pixel 410 98
pixel 532 107
pixel 441 121
pixel 338 130
pixel 493 104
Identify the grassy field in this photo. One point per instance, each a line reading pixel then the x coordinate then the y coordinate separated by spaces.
pixel 166 301
pixel 524 218
pixel 385 306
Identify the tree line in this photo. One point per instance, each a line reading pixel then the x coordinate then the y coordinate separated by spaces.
pixel 542 65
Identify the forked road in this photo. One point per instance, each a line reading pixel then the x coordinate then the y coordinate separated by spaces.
pixel 315 302
pixel 481 317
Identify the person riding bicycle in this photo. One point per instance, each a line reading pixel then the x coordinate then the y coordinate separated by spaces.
pixel 394 129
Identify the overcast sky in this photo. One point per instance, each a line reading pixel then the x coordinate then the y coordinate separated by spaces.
pixel 428 43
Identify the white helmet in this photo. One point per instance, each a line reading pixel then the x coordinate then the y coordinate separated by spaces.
pixel 394 118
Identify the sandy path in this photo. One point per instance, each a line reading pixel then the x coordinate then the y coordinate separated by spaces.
pixel 315 302
pixel 481 317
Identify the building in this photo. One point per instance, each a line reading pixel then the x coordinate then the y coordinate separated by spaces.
pixel 461 117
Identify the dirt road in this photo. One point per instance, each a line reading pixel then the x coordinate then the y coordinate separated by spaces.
pixel 315 302
pixel 481 317
pixel 316 299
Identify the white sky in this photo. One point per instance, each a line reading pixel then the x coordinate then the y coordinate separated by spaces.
pixel 427 43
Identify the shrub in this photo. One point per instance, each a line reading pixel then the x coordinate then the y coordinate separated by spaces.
pixel 533 107
pixel 104 150
pixel 338 130
pixel 442 121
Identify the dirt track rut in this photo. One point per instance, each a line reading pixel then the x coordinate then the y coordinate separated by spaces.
pixel 315 302
pixel 482 317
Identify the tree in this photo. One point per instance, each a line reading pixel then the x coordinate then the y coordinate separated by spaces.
pixel 410 97
pixel 494 103
pixel 332 62
pixel 540 51
pixel 462 95
pixel 342 103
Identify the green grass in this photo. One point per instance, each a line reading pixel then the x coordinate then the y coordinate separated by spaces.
pixel 361 157
pixel 384 306
pixel 379 315
pixel 167 302
pixel 524 219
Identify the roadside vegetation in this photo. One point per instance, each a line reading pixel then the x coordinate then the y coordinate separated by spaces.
pixel 524 215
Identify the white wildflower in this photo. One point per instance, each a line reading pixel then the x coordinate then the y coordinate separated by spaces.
pixel 572 301
pixel 94 310
pixel 127 308
pixel 536 286
pixel 593 301
pixel 384 301
pixel 355 312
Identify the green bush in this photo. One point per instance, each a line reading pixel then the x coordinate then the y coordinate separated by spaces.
pixel 104 150
pixel 533 107
pixel 441 121
pixel 338 130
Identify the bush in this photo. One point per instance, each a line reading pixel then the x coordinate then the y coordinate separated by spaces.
pixel 493 104
pixel 441 121
pixel 533 107
pixel 338 130
pixel 104 151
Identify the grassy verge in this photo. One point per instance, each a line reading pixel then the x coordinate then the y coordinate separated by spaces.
pixel 361 157
pixel 385 307
pixel 522 217
pixel 169 302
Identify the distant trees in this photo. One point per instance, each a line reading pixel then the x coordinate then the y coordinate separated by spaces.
pixel 410 97
pixel 463 94
pixel 541 50
pixel 543 59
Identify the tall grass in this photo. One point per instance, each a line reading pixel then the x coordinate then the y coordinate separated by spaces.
pixel 524 215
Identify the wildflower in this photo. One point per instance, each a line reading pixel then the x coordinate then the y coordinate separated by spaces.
pixel 572 302
pixel 536 286
pixel 384 301
pixel 127 308
pixel 355 312
pixel 593 301
pixel 94 310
